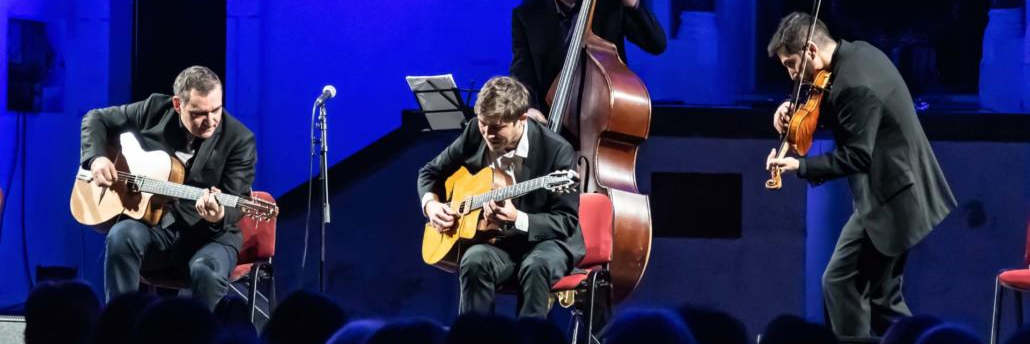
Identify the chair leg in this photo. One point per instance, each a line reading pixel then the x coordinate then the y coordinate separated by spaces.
pixel 996 318
pixel 576 318
pixel 1019 307
pixel 589 311
pixel 252 293
pixel 274 301
pixel 597 310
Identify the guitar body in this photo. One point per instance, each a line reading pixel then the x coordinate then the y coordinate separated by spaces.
pixel 443 250
pixel 466 193
pixel 100 207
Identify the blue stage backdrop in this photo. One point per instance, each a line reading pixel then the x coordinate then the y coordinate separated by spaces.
pixel 280 53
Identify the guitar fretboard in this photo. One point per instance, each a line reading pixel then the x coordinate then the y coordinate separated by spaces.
pixel 509 192
pixel 166 188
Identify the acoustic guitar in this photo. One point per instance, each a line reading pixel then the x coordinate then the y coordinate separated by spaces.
pixel 146 182
pixel 466 193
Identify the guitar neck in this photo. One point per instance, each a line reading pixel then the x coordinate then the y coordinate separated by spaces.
pixel 509 192
pixel 166 188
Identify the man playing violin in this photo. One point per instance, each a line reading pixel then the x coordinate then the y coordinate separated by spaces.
pixel 539 239
pixel 898 190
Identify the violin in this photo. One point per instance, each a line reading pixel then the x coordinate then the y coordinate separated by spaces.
pixel 801 128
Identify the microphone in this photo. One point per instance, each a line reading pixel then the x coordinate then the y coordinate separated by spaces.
pixel 327 92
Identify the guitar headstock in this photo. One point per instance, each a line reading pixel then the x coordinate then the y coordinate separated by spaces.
pixel 562 182
pixel 258 209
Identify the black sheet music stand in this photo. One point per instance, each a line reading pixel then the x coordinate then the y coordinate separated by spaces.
pixel 453 97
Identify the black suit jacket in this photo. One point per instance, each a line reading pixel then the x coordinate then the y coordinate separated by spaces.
pixel 538 50
pixel 225 160
pixel 551 217
pixel 899 191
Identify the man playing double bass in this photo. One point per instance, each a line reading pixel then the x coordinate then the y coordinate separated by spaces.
pixel 899 192
pixel 541 31
pixel 540 239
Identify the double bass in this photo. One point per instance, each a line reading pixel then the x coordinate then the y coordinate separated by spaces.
pixel 607 110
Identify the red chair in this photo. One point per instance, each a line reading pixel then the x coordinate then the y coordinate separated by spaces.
pixel 253 265
pixel 1018 281
pixel 588 290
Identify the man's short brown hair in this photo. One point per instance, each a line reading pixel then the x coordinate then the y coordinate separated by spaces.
pixel 792 31
pixel 503 97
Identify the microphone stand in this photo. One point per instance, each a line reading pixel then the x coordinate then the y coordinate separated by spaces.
pixel 323 177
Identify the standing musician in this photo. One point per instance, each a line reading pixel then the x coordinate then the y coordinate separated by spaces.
pixel 198 238
pixel 540 238
pixel 899 192
pixel 541 31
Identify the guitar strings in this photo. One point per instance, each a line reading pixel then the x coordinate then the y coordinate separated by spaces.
pixel 261 205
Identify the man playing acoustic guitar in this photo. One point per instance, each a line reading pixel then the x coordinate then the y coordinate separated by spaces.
pixel 200 239
pixel 539 238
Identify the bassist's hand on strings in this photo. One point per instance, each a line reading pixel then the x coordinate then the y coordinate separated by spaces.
pixel 440 216
pixel 208 207
pixel 781 119
pixel 536 115
pixel 786 164
pixel 104 173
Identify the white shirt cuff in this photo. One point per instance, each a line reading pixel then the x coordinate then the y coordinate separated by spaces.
pixel 428 197
pixel 522 222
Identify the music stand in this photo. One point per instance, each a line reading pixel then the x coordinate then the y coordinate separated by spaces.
pixel 439 99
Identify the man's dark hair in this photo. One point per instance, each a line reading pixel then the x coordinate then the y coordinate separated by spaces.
pixel 176 321
pixel 304 317
pixel 790 35
pixel 62 313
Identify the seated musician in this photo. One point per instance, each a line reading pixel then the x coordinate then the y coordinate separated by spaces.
pixel 539 237
pixel 199 239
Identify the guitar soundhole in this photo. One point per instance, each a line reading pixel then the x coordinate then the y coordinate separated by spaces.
pixel 132 187
pixel 131 199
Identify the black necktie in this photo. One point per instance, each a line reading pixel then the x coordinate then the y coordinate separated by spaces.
pixel 195 149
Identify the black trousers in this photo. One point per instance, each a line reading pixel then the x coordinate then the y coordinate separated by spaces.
pixel 133 246
pixel 484 267
pixel 861 286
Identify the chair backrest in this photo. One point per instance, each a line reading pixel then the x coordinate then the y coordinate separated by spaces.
pixel 258 236
pixel 595 219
